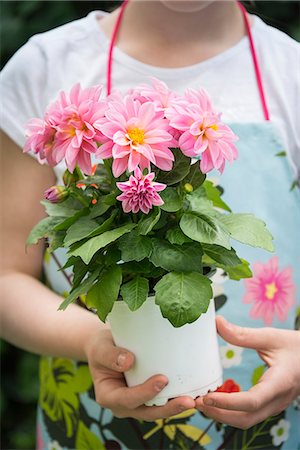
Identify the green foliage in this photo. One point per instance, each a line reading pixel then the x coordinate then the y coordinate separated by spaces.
pixel 183 297
pixel 246 228
pixel 146 224
pixel 105 292
pixel 135 246
pixel 178 258
pixel 135 292
pixel 172 200
pixel 180 170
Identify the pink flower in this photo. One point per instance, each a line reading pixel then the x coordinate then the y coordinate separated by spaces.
pixel 138 136
pixel 271 291
pixel 159 94
pixel 68 131
pixel 140 192
pixel 202 131
pixel 40 140
pixel 56 194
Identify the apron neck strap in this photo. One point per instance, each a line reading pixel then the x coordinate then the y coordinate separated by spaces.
pixel 251 43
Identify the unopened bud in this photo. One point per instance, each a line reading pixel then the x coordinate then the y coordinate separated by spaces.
pixel 56 194
pixel 188 188
pixel 69 178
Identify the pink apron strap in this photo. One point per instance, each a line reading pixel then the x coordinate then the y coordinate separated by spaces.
pixel 255 63
pixel 252 49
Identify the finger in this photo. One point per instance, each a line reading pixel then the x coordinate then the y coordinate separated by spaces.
pixel 245 337
pixel 133 397
pixel 236 419
pixel 259 396
pixel 112 357
pixel 171 408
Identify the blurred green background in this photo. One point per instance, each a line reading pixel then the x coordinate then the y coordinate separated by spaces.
pixel 19 21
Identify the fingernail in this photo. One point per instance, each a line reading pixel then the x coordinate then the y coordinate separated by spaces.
pixel 121 359
pixel 160 385
pixel 208 401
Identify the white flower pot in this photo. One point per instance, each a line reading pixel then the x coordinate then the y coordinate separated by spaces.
pixel 188 356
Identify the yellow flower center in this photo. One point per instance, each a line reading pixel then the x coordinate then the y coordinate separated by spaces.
pixel 271 290
pixel 136 135
pixel 214 127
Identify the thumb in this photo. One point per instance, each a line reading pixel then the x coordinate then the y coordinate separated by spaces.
pixel 104 353
pixel 256 338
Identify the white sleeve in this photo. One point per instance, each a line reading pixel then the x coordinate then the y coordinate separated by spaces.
pixel 23 86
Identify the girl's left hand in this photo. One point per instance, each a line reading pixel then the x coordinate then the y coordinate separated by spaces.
pixel 276 389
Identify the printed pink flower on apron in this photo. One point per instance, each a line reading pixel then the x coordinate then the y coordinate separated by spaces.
pixel 271 291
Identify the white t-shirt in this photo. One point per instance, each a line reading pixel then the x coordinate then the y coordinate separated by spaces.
pixel 77 51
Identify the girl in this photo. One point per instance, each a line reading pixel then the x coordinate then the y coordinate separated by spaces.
pixel 249 69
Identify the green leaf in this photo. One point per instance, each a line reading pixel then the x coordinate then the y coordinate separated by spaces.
pixel 195 177
pixel 79 230
pixel 66 223
pixel 103 205
pixel 105 226
pixel 176 236
pixel 144 267
pixel 214 194
pixel 222 255
pixel 177 258
pixel 56 240
pixel 238 272
pixel 181 168
pixel 65 209
pixel 42 229
pixel 146 224
pixel 105 292
pixel 183 297
pixel 135 292
pixel 172 200
pixel 81 289
pixel 246 228
pixel 199 203
pixel 257 374
pixel 86 440
pixel 87 250
pixel 205 229
pixel 134 246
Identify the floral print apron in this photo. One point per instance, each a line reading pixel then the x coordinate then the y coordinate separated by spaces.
pixel 259 182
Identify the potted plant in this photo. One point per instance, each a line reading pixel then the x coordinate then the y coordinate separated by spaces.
pixel 144 228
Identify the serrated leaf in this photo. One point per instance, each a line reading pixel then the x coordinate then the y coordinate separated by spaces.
pixel 214 194
pixel 205 229
pixel 134 246
pixel 171 199
pixel 42 229
pixel 135 292
pixel 181 168
pixel 248 229
pixel 103 205
pixel 176 236
pixel 67 222
pixel 199 203
pixel 222 255
pixel 146 224
pixel 177 258
pixel 183 297
pixel 105 292
pixel 87 250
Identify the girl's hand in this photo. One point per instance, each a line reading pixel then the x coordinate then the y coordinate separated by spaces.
pixel 277 388
pixel 107 364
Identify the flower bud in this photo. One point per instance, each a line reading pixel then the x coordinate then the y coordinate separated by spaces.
pixel 56 194
pixel 188 188
pixel 69 178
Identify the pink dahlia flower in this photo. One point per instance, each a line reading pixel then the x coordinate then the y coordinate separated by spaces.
pixel 158 93
pixel 202 131
pixel 40 140
pixel 139 193
pixel 67 131
pixel 138 136
pixel 271 291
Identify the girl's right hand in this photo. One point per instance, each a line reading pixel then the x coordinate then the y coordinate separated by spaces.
pixel 107 364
